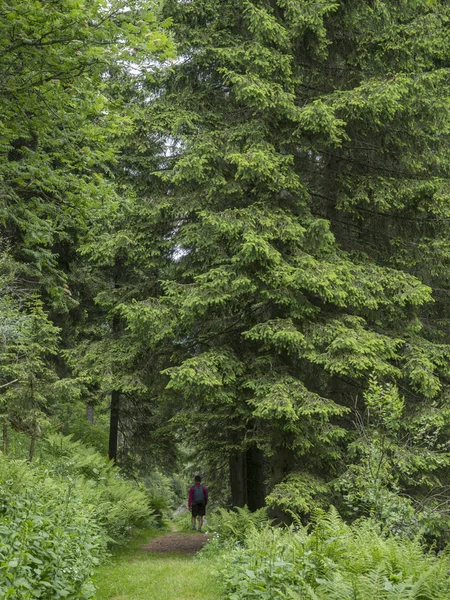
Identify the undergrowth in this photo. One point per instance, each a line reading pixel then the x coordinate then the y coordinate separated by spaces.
pixel 57 518
pixel 328 561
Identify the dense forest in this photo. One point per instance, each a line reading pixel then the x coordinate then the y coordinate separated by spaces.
pixel 225 249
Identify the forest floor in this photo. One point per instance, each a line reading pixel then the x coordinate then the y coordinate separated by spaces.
pixel 158 566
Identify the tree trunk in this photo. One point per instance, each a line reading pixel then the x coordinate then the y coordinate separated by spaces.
pixel 114 425
pixel 5 438
pixel 31 452
pixel 238 479
pixel 255 478
pixel 280 465
pixel 115 395
pixel 90 412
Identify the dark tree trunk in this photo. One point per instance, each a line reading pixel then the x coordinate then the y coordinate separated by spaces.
pixel 31 452
pixel 255 478
pixel 5 438
pixel 280 465
pixel 115 394
pixel 238 479
pixel 114 425
pixel 90 412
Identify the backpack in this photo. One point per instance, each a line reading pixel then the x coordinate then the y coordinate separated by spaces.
pixel 199 495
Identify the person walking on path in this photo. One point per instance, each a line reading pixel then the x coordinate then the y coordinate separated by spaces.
pixel 197 501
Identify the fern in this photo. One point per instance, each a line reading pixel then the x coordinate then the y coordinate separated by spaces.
pixel 236 525
pixel 333 561
pixel 119 505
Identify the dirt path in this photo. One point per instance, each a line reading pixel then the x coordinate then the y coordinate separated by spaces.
pixel 185 543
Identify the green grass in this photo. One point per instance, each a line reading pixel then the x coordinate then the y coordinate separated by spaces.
pixel 132 574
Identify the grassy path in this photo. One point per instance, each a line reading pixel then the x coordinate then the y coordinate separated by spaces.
pixel 133 574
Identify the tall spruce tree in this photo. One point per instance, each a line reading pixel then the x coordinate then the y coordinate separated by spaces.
pixel 309 150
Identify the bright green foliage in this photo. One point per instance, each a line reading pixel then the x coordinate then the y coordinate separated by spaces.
pixel 303 138
pixel 332 562
pixel 29 341
pixel 26 371
pixel 166 493
pixel 299 494
pixel 57 122
pixel 266 224
pixel 50 539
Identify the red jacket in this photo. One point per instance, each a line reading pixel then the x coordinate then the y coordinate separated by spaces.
pixel 191 494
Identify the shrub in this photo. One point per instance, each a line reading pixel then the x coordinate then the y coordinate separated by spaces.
pixel 162 494
pixel 396 468
pixel 299 494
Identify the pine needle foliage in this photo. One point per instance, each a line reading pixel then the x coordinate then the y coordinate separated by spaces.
pixel 60 122
pixel 299 494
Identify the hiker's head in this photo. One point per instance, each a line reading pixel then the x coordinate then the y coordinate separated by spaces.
pixel 197 479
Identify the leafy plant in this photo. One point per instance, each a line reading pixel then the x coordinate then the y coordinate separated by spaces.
pixel 57 517
pixel 51 539
pixel 299 494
